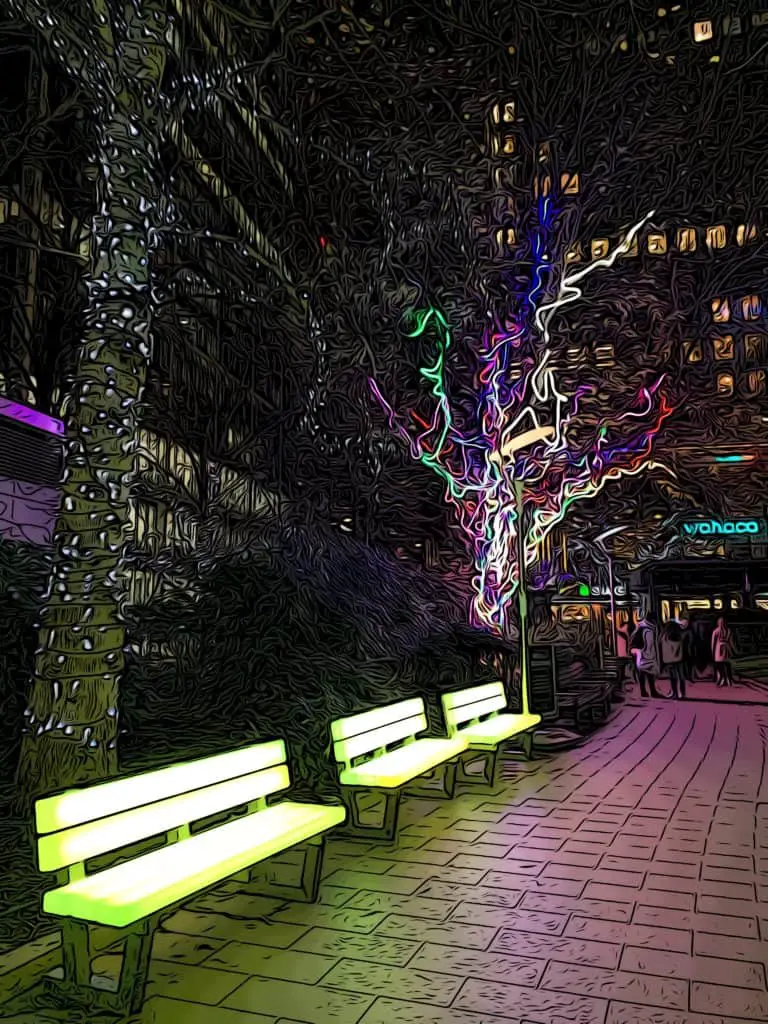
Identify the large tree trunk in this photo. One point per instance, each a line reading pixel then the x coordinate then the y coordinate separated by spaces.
pixel 71 728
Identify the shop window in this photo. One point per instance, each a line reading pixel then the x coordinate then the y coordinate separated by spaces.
pixel 725 384
pixel 657 243
pixel 723 347
pixel 716 236
pixel 754 346
pixel 702 31
pixel 569 183
pixel 745 233
pixel 721 312
pixel 686 239
pixel 750 307
pixel 693 351
pixel 599 248
pixel 506 237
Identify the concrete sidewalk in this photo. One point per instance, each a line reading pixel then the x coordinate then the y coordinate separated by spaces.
pixel 625 882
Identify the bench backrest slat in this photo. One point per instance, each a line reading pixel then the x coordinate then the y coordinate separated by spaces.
pixel 74 845
pixel 364 733
pixel 77 806
pixel 463 705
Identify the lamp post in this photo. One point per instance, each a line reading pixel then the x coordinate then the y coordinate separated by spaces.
pixel 611 583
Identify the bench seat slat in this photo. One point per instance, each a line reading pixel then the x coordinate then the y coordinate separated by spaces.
pixel 83 842
pixel 131 891
pixel 499 728
pixel 397 767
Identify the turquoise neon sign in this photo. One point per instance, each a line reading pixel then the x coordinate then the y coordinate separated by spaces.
pixel 724 527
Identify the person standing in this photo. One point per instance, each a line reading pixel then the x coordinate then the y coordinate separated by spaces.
pixel 672 657
pixel 686 631
pixel 722 653
pixel 645 646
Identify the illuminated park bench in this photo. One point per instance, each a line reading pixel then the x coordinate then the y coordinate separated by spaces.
pixel 160 806
pixel 370 763
pixel 477 715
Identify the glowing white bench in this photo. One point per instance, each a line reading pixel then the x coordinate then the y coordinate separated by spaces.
pixel 81 824
pixel 369 761
pixel 477 715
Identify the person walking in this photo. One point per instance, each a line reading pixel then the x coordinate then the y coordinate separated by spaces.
pixel 645 646
pixel 688 642
pixel 672 658
pixel 722 653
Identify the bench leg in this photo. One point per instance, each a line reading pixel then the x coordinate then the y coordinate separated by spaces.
pixel 444 791
pixel 306 889
pixel 356 829
pixel 76 985
pixel 526 742
pixel 488 775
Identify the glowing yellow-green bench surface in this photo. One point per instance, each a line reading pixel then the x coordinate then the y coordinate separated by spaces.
pixel 380 750
pixel 477 715
pixel 81 824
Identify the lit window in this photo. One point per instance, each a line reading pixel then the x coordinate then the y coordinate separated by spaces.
pixel 3 210
pixel 573 255
pixel 509 144
pixel 545 152
pixel 725 383
pixel 754 346
pixel 745 233
pixel 15 209
pixel 723 347
pixel 569 183
pixel 509 111
pixel 657 243
pixel 702 30
pixel 732 26
pixel 760 19
pixel 716 237
pixel 543 187
pixel 504 112
pixel 515 371
pixel 721 312
pixel 693 351
pixel 756 382
pixel 604 355
pixel 750 307
pixel 623 45
pixel 686 239
pixel 599 248
pixel 506 236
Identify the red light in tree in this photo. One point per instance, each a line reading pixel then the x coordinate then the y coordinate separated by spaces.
pixel 323 241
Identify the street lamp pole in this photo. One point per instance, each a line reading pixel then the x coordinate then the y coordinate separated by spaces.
pixel 522 597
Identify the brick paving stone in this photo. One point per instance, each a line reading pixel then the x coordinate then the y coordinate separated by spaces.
pixel 261 932
pixel 470 936
pixel 518 1003
pixel 377 948
pixel 404 872
pixel 562 948
pixel 469 963
pixel 731 890
pixel 694 968
pixel 404 982
pixel 161 1010
pixel 283 964
pixel 663 898
pixel 561 904
pixel 631 987
pixel 676 939
pixel 374 882
pixel 735 1002
pixel 524 920
pixel 716 924
pixel 634 1013
pixel 414 906
pixel 730 947
pixel 312 1004
pixel 729 907
pixel 454 893
pixel 400 1011
pixel 313 915
pixel 669 883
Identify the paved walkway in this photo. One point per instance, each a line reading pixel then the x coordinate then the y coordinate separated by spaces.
pixel 625 882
